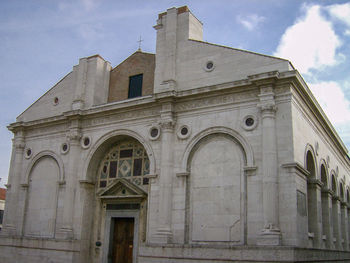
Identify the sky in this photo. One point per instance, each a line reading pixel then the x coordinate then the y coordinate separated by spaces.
pixel 41 40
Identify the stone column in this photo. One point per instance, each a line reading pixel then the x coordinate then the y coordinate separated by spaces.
pixel 336 222
pixel 327 217
pixel 270 234
pixel 348 225
pixel 316 226
pixel 164 232
pixel 74 135
pixel 11 220
pixel 344 223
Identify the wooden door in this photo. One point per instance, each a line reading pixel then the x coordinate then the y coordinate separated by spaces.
pixel 123 240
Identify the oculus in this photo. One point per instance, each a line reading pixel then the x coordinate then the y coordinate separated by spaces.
pixel 183 132
pixel 86 142
pixel 249 122
pixel 64 148
pixel 28 153
pixel 209 66
pixel 154 133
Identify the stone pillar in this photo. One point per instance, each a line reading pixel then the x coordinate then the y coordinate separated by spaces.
pixel 80 78
pixel 74 135
pixel 327 218
pixel 344 223
pixel 348 224
pixel 270 234
pixel 164 232
pixel 336 222
pixel 11 220
pixel 314 189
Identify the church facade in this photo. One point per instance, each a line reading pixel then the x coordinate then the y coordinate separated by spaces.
pixel 198 153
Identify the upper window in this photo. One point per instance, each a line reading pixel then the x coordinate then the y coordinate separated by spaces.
pixel 135 86
pixel 127 160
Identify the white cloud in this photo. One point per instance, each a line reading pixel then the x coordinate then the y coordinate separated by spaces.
pixel 310 43
pixel 251 21
pixel 341 12
pixel 333 101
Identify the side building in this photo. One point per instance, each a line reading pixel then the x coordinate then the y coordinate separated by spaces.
pixel 198 153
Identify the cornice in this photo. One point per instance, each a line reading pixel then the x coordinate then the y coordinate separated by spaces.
pixel 307 97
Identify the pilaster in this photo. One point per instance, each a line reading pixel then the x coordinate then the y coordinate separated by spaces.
pixel 270 234
pixel 336 222
pixel 73 136
pixel 327 218
pixel 344 223
pixel 164 231
pixel 11 219
pixel 315 186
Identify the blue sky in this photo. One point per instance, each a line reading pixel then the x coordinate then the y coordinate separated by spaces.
pixel 41 40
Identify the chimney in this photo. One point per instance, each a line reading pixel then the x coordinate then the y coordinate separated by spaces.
pixel 174 28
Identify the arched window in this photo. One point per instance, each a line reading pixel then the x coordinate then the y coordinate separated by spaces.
pixel 126 159
pixel 313 219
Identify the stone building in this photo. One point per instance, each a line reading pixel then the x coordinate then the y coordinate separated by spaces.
pixel 198 153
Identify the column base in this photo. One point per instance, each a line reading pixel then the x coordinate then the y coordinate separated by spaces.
pixel 64 233
pixel 270 237
pixel 163 235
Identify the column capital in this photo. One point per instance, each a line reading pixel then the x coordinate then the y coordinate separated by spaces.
pixel 167 125
pixel 74 134
pixel 315 182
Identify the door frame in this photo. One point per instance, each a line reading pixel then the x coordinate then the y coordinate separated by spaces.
pixel 108 237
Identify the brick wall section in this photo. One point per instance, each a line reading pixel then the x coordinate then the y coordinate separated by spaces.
pixel 137 63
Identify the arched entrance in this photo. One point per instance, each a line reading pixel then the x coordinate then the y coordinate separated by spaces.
pixel 120 166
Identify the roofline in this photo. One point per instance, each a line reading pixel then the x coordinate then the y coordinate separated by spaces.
pixel 243 50
pixel 138 51
pixel 43 94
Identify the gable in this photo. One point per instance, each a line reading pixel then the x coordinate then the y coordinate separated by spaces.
pixel 229 64
pixel 53 103
pixel 122 189
pixel 137 64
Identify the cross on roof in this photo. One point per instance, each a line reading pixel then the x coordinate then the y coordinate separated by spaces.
pixel 139 41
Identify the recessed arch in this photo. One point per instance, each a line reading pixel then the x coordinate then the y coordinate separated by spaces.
pixel 334 184
pixel 40 155
pixel 100 147
pixel 42 189
pixel 239 139
pixel 324 174
pixel 216 166
pixel 310 161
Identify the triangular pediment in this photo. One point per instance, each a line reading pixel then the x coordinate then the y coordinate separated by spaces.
pixel 122 189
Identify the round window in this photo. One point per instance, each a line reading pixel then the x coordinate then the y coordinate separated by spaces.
pixel 64 148
pixel 86 142
pixel 55 101
pixel 249 122
pixel 209 66
pixel 184 130
pixel 154 133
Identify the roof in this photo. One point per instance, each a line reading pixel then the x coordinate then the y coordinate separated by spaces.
pixel 2 193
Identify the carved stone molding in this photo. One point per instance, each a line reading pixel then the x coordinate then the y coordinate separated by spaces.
pixel 250 170
pixel 167 125
pixel 74 135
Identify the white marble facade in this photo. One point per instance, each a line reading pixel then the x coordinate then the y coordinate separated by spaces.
pixel 238 163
